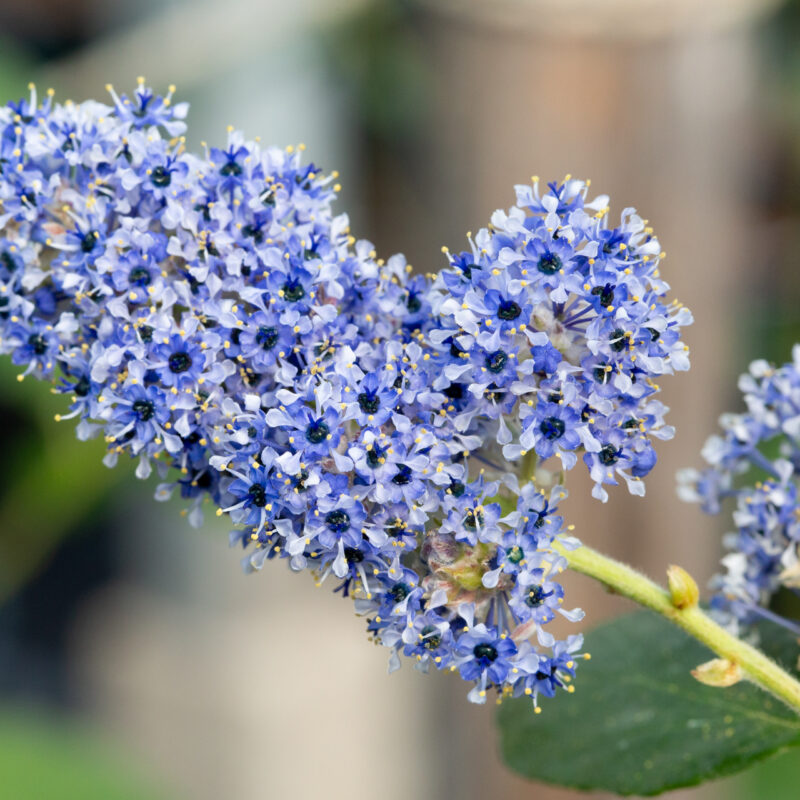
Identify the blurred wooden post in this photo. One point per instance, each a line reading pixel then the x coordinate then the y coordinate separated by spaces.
pixel 657 104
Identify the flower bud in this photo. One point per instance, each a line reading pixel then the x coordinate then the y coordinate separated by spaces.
pixel 682 588
pixel 718 672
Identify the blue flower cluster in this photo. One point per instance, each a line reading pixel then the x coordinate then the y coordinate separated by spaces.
pixel 211 317
pixel 551 331
pixel 755 465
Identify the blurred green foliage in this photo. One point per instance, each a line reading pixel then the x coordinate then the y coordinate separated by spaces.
pixel 781 54
pixel 16 68
pixel 50 480
pixel 377 55
pixel 777 779
pixel 45 758
pixel 774 320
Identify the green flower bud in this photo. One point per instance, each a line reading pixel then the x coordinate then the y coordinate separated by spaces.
pixel 682 588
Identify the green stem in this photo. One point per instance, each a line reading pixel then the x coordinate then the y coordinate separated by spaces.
pixel 527 466
pixel 631 584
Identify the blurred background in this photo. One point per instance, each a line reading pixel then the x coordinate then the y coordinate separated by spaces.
pixel 136 661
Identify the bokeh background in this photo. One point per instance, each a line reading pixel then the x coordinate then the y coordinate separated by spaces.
pixel 136 661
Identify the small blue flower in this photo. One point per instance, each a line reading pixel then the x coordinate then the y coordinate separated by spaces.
pixel 484 656
pixel 763 551
pixel 553 429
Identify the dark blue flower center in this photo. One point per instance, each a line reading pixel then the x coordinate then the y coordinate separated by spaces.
pixel 431 638
pixel 256 234
pixel 618 340
pixel 403 475
pixel 609 455
pixel 485 652
pixel 515 554
pixel 144 410
pixel 267 337
pixel 257 495
pixel 7 261
pixel 369 402
pixel 338 521
pixel 399 592
pixel 375 456
pixel 455 391
pixel 38 344
pixel 179 362
pixel 317 431
pixel 89 241
pixel 203 480
pixel 161 177
pixel 300 481
pixel 508 310
pixel 353 555
pixel 552 428
pixel 230 169
pixel 139 276
pixel 549 264
pixel 473 519
pixel 457 488
pixel 601 374
pixel 293 291
pixel 495 362
pixel 82 387
pixel 535 596
pixel 605 293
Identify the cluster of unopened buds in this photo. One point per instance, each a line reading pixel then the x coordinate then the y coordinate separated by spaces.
pixel 405 437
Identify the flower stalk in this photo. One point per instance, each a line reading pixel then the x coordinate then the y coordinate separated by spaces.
pixel 756 667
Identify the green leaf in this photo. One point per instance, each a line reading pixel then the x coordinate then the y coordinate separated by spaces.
pixel 638 722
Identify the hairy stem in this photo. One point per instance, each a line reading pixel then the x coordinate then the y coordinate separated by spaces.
pixel 626 581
